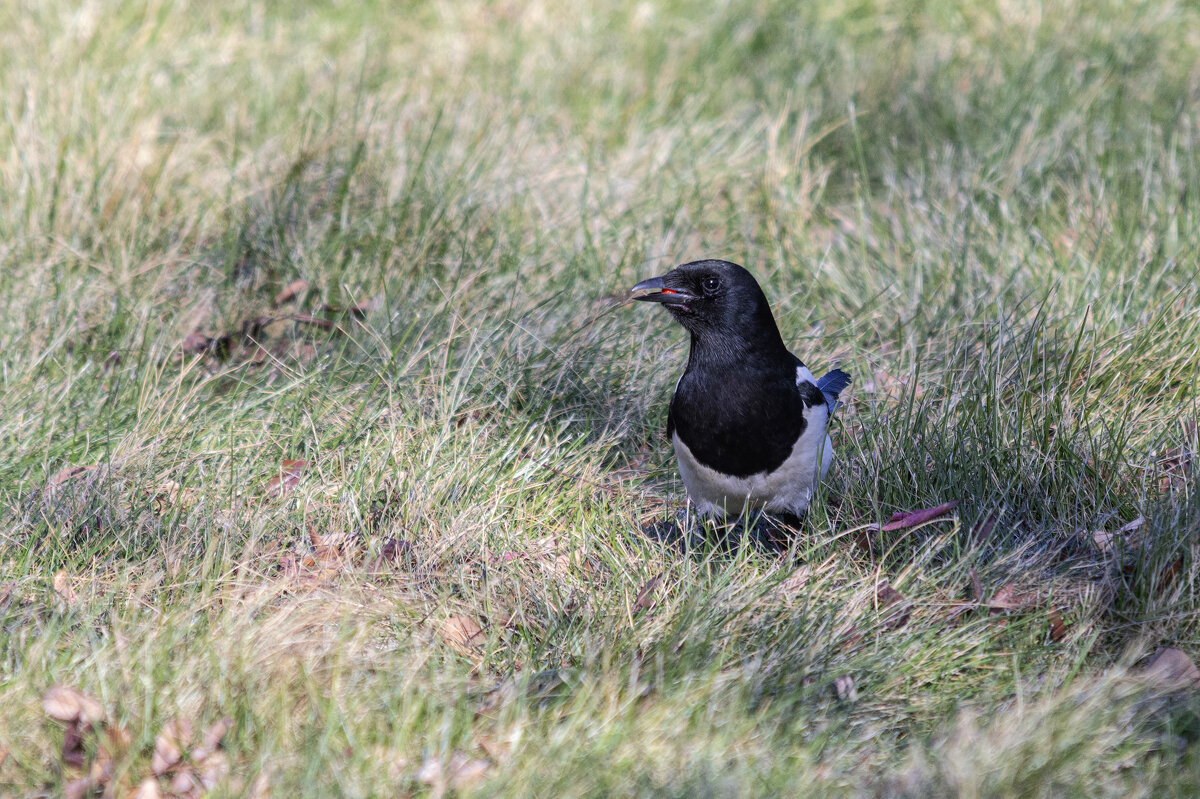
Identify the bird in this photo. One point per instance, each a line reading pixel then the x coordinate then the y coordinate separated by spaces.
pixel 748 420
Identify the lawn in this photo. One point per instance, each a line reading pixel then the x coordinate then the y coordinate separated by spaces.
pixel 332 453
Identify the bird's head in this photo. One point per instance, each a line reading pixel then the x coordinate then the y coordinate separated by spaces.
pixel 711 297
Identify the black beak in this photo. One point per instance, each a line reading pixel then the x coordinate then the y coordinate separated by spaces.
pixel 660 294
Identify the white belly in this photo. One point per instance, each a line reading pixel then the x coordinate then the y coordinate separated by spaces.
pixel 787 489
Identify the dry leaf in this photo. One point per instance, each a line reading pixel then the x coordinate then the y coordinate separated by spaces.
pixel 1058 628
pixel 73 753
pixel 185 784
pixel 261 787
pixel 851 638
pixel 1132 526
pixel 148 789
pixel 166 755
pixel 169 745
pixel 1008 598
pixel 199 344
pixel 252 327
pixel 196 343
pixel 982 530
pixel 70 473
pixel 1170 669
pixel 462 632
pixel 216 733
pixel 498 751
pixel 887 597
pixel 844 688
pixel 213 770
pixel 903 519
pixel 115 747
pixel 1171 571
pixel 394 552
pixel 356 311
pixel 287 479
pixel 1106 541
pixel 62 587
pixel 328 549
pixel 315 321
pixel 64 703
pixel 459 774
pixel 794 582
pixel 976 586
pixel 257 355
pixel 291 291
pixel 645 595
pixel 77 788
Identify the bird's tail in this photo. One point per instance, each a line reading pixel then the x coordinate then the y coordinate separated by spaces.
pixel 831 384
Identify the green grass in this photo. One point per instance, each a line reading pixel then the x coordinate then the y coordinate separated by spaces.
pixel 986 214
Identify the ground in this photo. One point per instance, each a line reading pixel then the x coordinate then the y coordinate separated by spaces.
pixel 328 430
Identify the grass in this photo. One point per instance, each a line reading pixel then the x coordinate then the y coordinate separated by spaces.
pixel 986 214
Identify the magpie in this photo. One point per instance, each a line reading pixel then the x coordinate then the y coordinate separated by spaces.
pixel 748 419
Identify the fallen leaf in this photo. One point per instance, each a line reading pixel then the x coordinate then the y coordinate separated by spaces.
pixel 213 770
pixel 1170 669
pixel 252 327
pixel 1132 526
pixel 115 747
pixel 168 493
pixel 460 773
pixel 983 528
pixel 844 688
pixel 101 771
pixel 70 473
pixel 315 321
pixel 261 787
pixel 73 753
pixel 63 703
pixel 1009 598
pixel 498 751
pixel 64 590
pixel 794 582
pixel 196 343
pixel 148 789
pixel 1171 571
pixel 462 632
pixel 291 291
pixel 356 311
pixel 951 611
pixel 1106 541
pixel 257 355
pixel 216 733
pixel 1058 628
pixel 903 519
pixel 394 552
pixel 287 479
pixel 850 639
pixel 888 597
pixel 169 745
pixel 77 788
pixel 976 586
pixel 645 595
pixel 185 784
pixel 332 549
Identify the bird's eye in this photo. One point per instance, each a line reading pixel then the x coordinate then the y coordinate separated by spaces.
pixel 711 284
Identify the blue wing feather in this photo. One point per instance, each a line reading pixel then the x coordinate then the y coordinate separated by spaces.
pixel 831 384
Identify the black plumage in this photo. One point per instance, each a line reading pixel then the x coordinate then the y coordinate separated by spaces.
pixel 744 404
